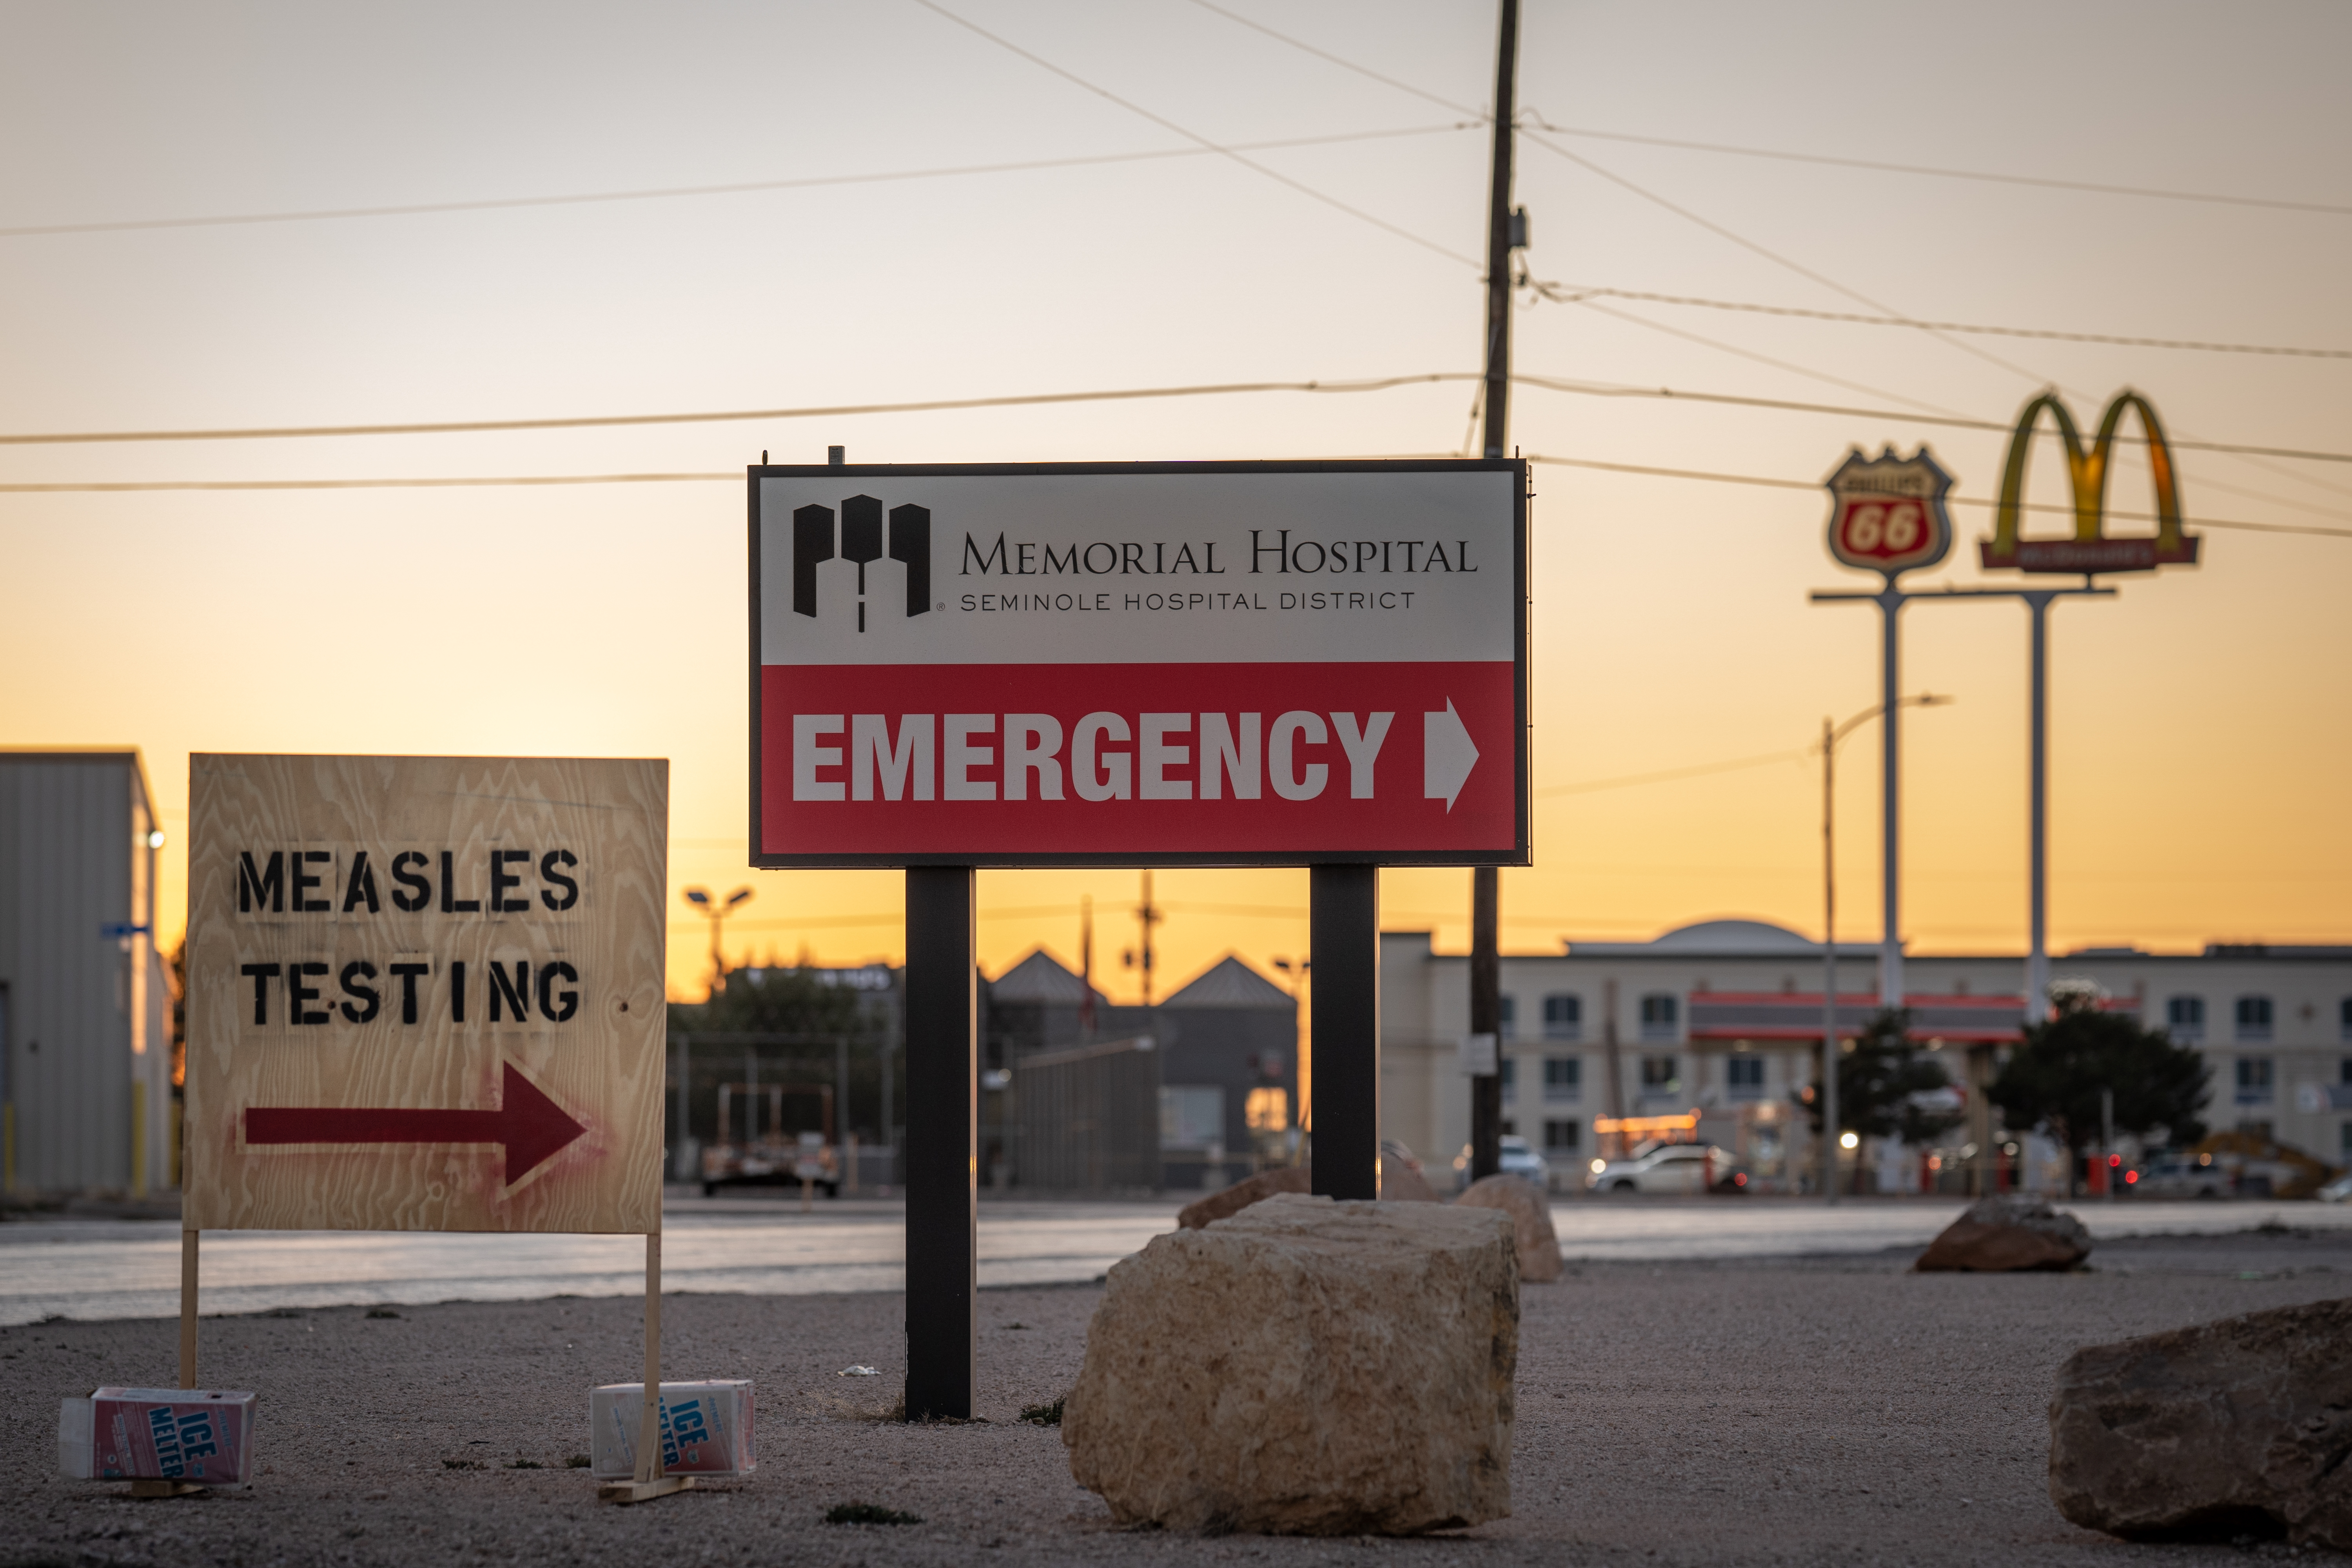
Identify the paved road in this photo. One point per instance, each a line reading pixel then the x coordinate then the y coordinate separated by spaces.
pixel 93 1269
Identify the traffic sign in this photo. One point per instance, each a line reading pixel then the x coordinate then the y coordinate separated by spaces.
pixel 1139 664
pixel 426 993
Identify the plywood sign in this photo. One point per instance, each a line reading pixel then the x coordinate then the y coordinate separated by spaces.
pixel 425 993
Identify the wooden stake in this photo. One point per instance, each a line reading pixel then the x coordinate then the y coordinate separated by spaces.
pixel 187 1309
pixel 650 1482
pixel 649 1454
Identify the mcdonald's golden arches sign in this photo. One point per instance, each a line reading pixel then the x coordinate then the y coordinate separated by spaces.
pixel 2090 550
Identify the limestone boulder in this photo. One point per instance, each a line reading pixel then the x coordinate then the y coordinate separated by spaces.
pixel 2228 1429
pixel 1230 1202
pixel 1306 1367
pixel 1530 1214
pixel 2007 1235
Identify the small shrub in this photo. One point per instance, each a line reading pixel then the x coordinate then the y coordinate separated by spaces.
pixel 1044 1415
pixel 526 1465
pixel 381 1312
pixel 868 1513
pixel 576 1462
pixel 461 1464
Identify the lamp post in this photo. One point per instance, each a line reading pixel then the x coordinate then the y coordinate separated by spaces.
pixel 1831 735
pixel 717 912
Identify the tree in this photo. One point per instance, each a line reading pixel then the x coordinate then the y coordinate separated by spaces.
pixel 777 1001
pixel 2055 1078
pixel 1881 1082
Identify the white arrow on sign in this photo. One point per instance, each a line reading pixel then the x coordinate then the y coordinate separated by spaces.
pixel 1448 755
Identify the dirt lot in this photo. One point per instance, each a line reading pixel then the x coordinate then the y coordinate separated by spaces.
pixel 1796 1410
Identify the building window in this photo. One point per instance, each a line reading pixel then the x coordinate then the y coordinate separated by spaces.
pixel 1564 1017
pixel 2254 1084
pixel 2184 1017
pixel 2253 1018
pixel 1191 1116
pixel 1507 1016
pixel 1562 1139
pixel 2344 1141
pixel 2344 1018
pixel 1659 1077
pixel 1268 1110
pixel 1661 1017
pixel 1564 1078
pixel 1509 1068
pixel 1743 1077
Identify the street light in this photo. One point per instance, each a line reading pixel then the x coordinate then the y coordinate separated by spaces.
pixel 704 900
pixel 1831 735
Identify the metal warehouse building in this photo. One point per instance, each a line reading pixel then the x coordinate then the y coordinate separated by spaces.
pixel 85 1012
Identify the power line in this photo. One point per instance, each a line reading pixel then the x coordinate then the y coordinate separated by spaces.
pixel 746 187
pixel 1576 293
pixel 1657 472
pixel 1190 135
pixel 1535 117
pixel 1382 383
pixel 1304 46
pixel 1645 192
pixel 1821 376
pixel 1590 785
pixel 591 421
pixel 1943 174
pixel 736 476
pixel 1768 254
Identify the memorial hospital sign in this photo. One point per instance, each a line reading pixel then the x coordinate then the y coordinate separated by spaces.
pixel 1139 664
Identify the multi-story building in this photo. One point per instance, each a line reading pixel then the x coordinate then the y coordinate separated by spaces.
pixel 85 1102
pixel 1722 1017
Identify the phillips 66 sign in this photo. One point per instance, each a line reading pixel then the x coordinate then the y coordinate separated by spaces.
pixel 1888 513
pixel 1139 664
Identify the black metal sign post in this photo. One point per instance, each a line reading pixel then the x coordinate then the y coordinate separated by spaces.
pixel 942 1142
pixel 1344 943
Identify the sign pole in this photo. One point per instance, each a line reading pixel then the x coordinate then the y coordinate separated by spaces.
pixel 2037 957
pixel 188 1309
pixel 1890 938
pixel 1344 943
pixel 942 1142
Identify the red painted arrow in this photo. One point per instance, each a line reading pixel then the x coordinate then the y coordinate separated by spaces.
pixel 532 1126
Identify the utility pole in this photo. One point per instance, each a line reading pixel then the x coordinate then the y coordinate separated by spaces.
pixel 1506 231
pixel 1147 914
pixel 1087 967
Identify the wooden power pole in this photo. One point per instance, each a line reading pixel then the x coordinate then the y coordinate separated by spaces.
pixel 1505 231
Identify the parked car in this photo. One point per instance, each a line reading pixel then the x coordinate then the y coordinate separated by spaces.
pixel 1669 1168
pixel 1519 1159
pixel 2181 1176
pixel 772 1163
pixel 2335 1191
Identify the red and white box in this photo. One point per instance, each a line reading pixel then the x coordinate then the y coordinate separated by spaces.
pixel 706 1429
pixel 203 1435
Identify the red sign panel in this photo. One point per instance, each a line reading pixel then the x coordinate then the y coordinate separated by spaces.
pixel 1888 513
pixel 1139 664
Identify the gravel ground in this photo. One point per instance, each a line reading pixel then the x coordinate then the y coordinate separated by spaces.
pixel 1789 1411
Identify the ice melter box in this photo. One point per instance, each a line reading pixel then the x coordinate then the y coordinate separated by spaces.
pixel 157 1433
pixel 706 1429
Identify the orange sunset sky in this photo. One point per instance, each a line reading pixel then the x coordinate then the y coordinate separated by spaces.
pixel 282 215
